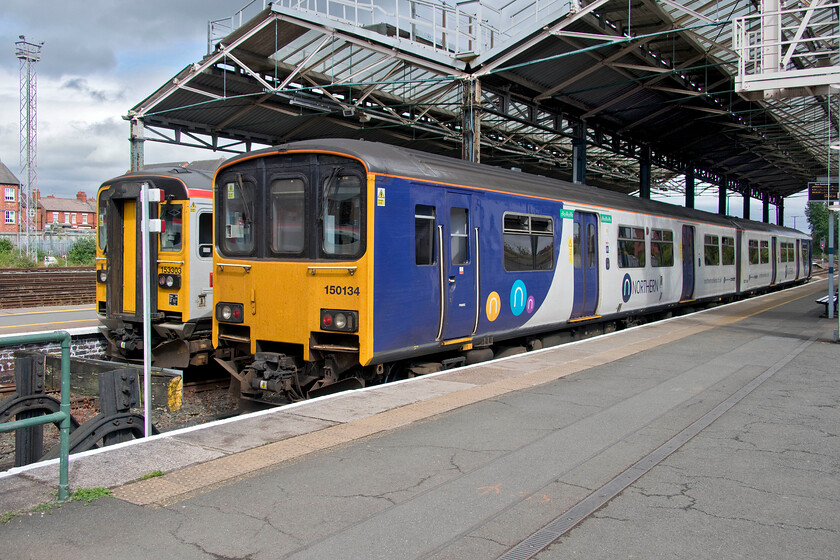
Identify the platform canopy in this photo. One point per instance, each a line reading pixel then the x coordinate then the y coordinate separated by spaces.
pixel 524 83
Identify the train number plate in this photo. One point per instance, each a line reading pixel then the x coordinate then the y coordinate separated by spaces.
pixel 341 290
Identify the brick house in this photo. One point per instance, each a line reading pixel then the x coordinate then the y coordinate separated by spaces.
pixel 73 213
pixel 10 188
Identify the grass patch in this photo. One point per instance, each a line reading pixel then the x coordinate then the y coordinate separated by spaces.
pixel 153 474
pixel 87 495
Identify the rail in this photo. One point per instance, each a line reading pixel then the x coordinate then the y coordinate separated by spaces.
pixel 63 414
pixel 35 287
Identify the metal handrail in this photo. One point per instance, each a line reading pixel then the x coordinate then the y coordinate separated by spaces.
pixel 63 414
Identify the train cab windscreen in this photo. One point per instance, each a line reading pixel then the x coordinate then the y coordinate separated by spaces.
pixel 292 209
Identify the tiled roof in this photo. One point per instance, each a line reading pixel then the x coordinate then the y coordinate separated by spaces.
pixel 6 176
pixel 52 204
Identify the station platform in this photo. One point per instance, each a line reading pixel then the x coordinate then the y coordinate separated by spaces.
pixel 713 435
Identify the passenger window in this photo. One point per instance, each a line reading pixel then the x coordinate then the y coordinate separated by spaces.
pixel 286 199
pixel 237 216
pixel 101 227
pixel 631 247
pixel 529 242
pixel 753 251
pixel 576 247
pixel 711 250
pixel 341 215
pixel 765 252
pixel 727 250
pixel 661 247
pixel 424 235
pixel 459 235
pixel 171 215
pixel 205 234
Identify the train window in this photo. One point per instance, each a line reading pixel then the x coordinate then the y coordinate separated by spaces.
pixel 237 216
pixel 205 234
pixel 753 251
pixel 788 252
pixel 592 246
pixel 727 250
pixel 529 242
pixel 711 250
pixel 764 253
pixel 286 200
pixel 341 214
pixel 102 221
pixel 172 216
pixel 661 247
pixel 631 247
pixel 576 247
pixel 459 235
pixel 424 234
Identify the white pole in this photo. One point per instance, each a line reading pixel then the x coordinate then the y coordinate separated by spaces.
pixel 147 313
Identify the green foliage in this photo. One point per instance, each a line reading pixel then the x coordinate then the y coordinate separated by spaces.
pixel 6 246
pixel 87 495
pixel 817 215
pixel 82 253
pixel 153 474
pixel 14 260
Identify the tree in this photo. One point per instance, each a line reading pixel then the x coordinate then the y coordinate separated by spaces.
pixel 83 252
pixel 817 215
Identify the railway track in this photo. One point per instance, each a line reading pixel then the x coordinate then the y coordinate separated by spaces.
pixel 37 287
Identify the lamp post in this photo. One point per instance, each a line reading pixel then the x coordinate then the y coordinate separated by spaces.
pixel 831 209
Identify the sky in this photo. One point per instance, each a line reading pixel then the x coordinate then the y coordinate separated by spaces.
pixel 102 57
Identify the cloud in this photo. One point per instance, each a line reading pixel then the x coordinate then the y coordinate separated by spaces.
pixel 81 85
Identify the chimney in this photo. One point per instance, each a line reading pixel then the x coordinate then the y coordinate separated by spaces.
pixel 81 196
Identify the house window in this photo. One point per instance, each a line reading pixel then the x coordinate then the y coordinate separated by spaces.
pixel 73 219
pixel 10 216
pixel 10 194
pixel 55 217
pixel 84 219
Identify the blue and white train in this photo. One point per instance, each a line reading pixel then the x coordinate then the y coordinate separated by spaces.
pixel 340 263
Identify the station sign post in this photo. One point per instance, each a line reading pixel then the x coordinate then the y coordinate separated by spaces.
pixel 148 226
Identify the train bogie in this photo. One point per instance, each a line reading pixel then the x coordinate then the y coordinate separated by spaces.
pixel 345 262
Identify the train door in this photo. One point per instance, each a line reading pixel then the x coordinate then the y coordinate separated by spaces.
pixel 773 252
pixel 687 262
pixel 739 259
pixel 124 288
pixel 585 258
pixel 457 240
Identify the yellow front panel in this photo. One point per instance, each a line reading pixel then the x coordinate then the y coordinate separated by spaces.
pixel 283 300
pixel 129 279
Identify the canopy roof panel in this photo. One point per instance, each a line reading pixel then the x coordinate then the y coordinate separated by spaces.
pixel 652 82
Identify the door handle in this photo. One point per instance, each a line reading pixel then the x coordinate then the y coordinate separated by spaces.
pixel 451 279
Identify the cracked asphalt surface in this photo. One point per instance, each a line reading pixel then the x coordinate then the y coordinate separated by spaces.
pixel 470 483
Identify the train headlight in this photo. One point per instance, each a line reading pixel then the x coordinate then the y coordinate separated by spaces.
pixel 339 320
pixel 101 275
pixel 169 281
pixel 230 312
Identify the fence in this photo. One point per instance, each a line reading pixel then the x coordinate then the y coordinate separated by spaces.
pixel 50 243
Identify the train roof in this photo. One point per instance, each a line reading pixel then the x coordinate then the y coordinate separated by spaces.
pixel 195 175
pixel 405 162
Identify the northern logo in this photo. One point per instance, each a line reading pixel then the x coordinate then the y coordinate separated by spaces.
pixel 629 287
